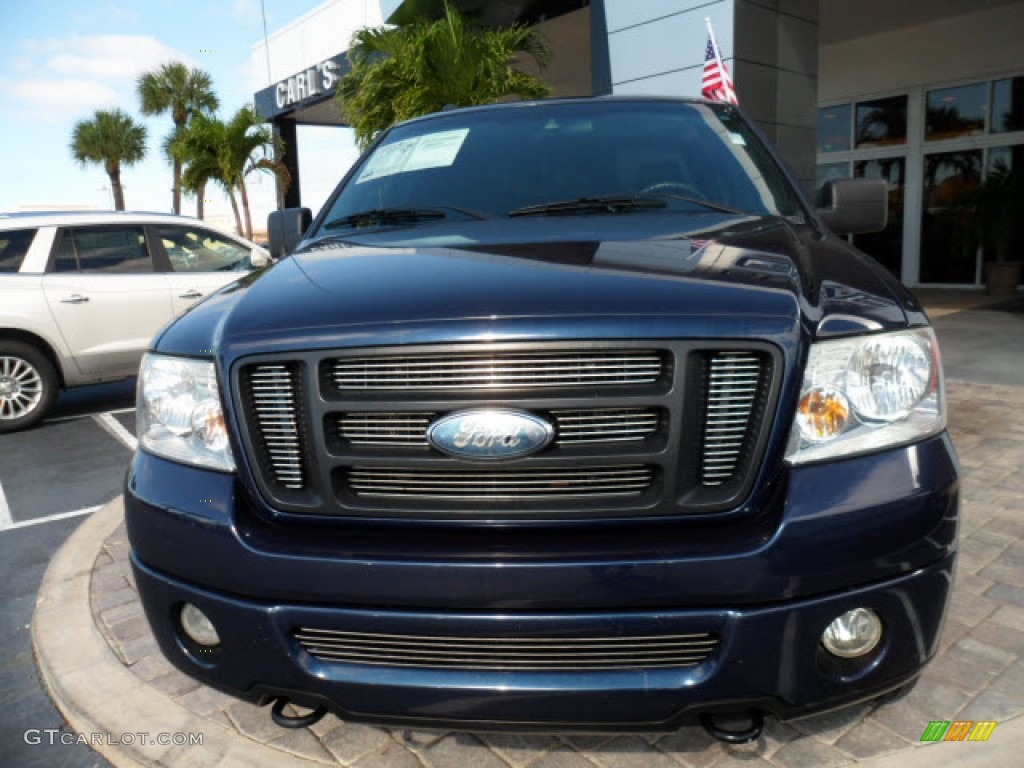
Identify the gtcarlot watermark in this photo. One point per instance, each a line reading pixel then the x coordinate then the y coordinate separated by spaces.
pixel 57 736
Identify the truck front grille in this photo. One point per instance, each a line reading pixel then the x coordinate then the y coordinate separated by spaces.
pixel 551 654
pixel 640 428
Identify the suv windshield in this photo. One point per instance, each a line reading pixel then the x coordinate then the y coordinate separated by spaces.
pixel 572 158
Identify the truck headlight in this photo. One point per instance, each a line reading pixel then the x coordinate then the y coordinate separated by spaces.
pixel 179 412
pixel 866 393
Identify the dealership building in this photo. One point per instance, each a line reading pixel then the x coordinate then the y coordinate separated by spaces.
pixel 926 94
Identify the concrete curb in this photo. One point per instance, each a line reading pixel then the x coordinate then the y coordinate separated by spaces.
pixel 98 694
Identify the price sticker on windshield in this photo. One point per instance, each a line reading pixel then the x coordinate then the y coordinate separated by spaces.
pixel 434 150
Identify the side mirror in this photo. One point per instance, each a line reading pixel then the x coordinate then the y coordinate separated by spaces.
pixel 855 206
pixel 258 257
pixel 285 229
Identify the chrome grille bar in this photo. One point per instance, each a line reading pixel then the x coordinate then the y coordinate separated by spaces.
pixel 605 425
pixel 497 370
pixel 572 426
pixel 484 485
pixel 274 406
pixel 521 653
pixel 734 380
pixel 382 428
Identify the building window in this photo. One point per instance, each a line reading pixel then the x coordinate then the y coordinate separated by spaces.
pixel 949 241
pixel 955 186
pixel 834 128
pixel 1006 159
pixel 956 112
pixel 1002 204
pixel 882 122
pixel 1008 105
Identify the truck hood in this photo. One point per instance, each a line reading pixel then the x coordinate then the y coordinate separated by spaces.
pixel 711 275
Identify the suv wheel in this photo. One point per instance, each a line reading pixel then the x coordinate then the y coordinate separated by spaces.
pixel 28 385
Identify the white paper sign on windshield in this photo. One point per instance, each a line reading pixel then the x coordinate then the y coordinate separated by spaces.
pixel 435 150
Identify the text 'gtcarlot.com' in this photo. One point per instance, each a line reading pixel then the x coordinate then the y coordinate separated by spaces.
pixel 57 736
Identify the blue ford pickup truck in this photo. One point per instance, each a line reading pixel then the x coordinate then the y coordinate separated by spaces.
pixel 561 415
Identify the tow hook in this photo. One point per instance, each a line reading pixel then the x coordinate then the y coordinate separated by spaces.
pixel 729 736
pixel 296 721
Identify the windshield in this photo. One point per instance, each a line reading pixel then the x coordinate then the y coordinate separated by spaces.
pixel 563 159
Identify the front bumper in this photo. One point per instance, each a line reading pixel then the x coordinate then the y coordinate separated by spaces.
pixel 876 531
pixel 769 658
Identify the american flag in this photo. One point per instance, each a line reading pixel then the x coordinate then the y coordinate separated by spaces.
pixel 716 85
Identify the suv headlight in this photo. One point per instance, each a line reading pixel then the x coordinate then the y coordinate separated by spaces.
pixel 179 412
pixel 867 393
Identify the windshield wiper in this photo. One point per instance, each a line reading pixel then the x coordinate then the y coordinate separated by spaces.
pixel 619 204
pixel 378 216
pixel 607 204
pixel 707 204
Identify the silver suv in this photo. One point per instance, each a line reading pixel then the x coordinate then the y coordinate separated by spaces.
pixel 82 294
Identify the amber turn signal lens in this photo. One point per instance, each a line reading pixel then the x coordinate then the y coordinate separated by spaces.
pixel 822 414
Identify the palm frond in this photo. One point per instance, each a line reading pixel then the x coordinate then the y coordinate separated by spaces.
pixel 402 72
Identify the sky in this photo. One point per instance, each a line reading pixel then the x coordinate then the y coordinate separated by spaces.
pixel 64 59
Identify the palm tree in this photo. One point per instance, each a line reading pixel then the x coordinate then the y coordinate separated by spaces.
pixel 228 153
pixel 250 148
pixel 110 139
pixel 183 92
pixel 402 72
pixel 196 151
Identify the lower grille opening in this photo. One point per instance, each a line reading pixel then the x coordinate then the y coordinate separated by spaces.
pixel 565 654
pixel 489 485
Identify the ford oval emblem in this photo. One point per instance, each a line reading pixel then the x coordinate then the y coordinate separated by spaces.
pixel 488 434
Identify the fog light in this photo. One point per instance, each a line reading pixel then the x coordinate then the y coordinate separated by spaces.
pixel 853 634
pixel 198 628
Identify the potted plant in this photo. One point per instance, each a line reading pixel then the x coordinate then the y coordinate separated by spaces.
pixel 1000 208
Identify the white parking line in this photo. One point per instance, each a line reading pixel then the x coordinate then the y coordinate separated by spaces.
pixel 52 518
pixel 78 416
pixel 115 428
pixel 5 512
pixel 73 417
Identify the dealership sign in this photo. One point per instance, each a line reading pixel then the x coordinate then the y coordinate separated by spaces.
pixel 316 80
pixel 311 85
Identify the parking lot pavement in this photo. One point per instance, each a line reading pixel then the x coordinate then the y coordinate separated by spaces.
pixel 73 462
pixel 27 710
pixel 50 477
